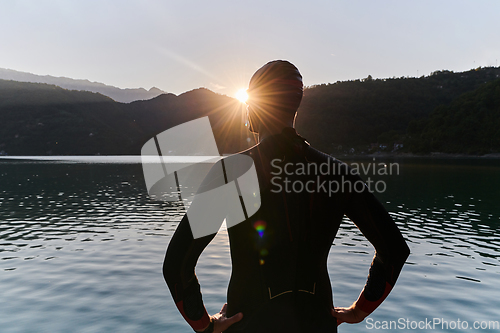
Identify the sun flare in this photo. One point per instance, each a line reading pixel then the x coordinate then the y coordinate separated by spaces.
pixel 241 95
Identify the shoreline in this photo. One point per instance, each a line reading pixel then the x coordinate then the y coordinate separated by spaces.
pixel 435 155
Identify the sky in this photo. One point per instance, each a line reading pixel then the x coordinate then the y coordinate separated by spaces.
pixel 182 45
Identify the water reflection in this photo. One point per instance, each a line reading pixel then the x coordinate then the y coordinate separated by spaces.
pixel 86 242
pixel 448 213
pixel 44 202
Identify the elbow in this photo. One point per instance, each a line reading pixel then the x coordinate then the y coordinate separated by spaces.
pixel 403 253
pixel 406 251
pixel 397 255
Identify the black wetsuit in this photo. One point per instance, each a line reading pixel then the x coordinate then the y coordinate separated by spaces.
pixel 279 277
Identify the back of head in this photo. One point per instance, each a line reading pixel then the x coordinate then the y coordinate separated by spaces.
pixel 275 90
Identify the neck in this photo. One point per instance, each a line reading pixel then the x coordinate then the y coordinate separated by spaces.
pixel 273 130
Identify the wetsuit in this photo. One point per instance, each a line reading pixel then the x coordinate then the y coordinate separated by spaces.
pixel 279 277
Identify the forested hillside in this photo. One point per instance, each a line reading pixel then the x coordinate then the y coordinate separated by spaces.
pixel 41 119
pixel 443 112
pixel 470 124
pixel 359 114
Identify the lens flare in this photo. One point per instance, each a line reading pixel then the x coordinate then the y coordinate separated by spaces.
pixel 260 226
pixel 242 95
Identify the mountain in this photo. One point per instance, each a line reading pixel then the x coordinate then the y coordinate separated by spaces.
pixel 445 111
pixel 117 94
pixel 469 124
pixel 21 94
pixel 361 114
pixel 42 119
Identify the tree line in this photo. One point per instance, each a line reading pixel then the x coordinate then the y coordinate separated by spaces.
pixel 443 112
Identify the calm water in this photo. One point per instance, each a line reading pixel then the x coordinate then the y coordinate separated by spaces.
pixel 82 245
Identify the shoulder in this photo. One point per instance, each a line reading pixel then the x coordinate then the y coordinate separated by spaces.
pixel 316 156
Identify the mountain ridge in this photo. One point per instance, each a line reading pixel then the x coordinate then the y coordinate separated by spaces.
pixel 49 120
pixel 351 117
pixel 126 95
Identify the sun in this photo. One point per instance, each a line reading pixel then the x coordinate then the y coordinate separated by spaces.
pixel 241 95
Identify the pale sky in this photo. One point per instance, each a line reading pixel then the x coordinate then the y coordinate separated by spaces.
pixel 183 45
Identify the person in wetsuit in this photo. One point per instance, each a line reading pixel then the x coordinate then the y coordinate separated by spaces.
pixel 279 280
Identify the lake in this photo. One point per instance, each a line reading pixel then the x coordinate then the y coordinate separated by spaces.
pixel 82 246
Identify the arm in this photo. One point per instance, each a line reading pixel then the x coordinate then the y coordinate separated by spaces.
pixel 178 270
pixel 391 252
pixel 183 253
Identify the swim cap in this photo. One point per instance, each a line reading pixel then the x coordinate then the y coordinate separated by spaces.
pixel 277 85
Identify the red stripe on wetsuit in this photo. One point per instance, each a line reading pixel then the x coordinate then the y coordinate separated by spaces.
pixel 369 306
pixel 197 325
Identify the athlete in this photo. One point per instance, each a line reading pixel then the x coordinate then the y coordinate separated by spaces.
pixel 279 280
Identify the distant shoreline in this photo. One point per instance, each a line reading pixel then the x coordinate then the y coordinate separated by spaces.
pixel 435 155
pixel 134 158
pixel 116 159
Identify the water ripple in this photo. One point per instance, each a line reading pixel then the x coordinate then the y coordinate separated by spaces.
pixel 85 241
